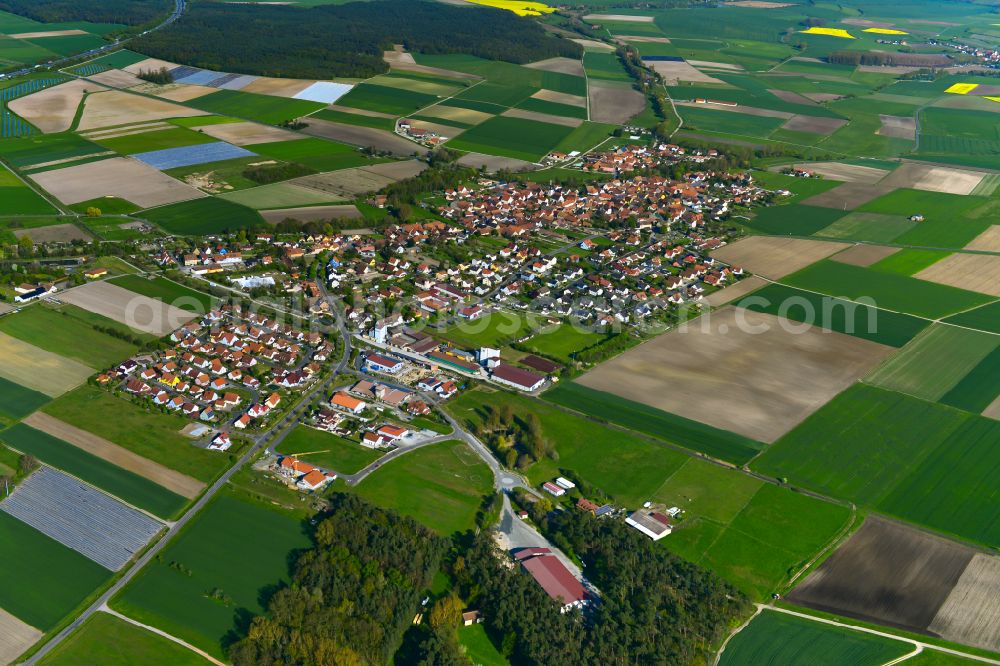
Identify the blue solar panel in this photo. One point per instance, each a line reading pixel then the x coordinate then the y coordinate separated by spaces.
pixel 171 158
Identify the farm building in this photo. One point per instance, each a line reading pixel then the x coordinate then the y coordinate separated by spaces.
pixel 379 363
pixel 554 578
pixel 651 523
pixel 523 380
pixel 553 489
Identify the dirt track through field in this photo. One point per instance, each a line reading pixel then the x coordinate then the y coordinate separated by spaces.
pixel 776 257
pixel 53 109
pixel 747 372
pixel 974 272
pixel 38 369
pixel 183 485
pixel 139 312
pixel 15 637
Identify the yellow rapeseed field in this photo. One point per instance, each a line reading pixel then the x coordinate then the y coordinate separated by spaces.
pixel 517 6
pixel 886 31
pixel 829 32
pixel 962 88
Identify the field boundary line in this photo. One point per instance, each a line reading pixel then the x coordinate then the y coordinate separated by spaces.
pixel 722 648
pixel 159 632
pixel 834 543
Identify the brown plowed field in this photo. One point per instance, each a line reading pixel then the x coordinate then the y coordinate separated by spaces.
pixel 561 65
pixel 493 163
pixel 362 136
pixel 127 307
pixel 730 294
pixel 114 107
pixel 117 78
pixel 245 134
pixel 15 637
pixel 561 98
pixel 934 179
pixel 746 372
pixel 54 233
pixel 898 127
pixel 813 124
pixel 53 109
pixel 971 614
pixel 183 485
pixel 776 257
pixel 119 176
pixel 311 213
pixel 975 272
pixel 849 195
pixel 543 117
pixel 864 255
pixel 613 102
pixel 989 240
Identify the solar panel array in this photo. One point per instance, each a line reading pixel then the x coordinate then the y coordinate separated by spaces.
pixel 172 158
pixel 205 77
pixel 90 522
pixel 12 125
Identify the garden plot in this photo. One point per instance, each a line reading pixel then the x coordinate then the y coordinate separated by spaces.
pixel 848 173
pixel 183 485
pixel 54 233
pixel 138 312
pixel 560 98
pixel 173 158
pixel 120 177
pixel 934 179
pixel 974 272
pixel 15 637
pixel 893 574
pixel 561 65
pixel 776 257
pixel 747 372
pixel 326 92
pixel 366 137
pixel 96 525
pixel 864 255
pixel 312 213
pixel 114 107
pixel 116 78
pixel 38 369
pixel 247 133
pixel 813 124
pixel 898 127
pixel 543 117
pixel 988 241
pixel 614 101
pixel 53 109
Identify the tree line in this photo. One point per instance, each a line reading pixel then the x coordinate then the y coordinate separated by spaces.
pixel 344 40
pixel 128 12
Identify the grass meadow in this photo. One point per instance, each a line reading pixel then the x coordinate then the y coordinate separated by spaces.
pixel 69 331
pixel 207 215
pixel 512 137
pixel 242 551
pixel 441 486
pixel 42 580
pixel 105 639
pixel 327 450
pixel 479 648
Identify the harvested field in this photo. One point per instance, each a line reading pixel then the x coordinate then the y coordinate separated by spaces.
pixel 624 18
pixel 363 112
pixel 542 117
pixel 864 255
pixel 898 127
pixel 740 371
pixel 741 288
pixel 988 241
pixel 15 637
pixel 975 272
pixel 493 163
pixel 127 307
pixel 612 102
pixel 244 134
pixel 116 78
pixel 127 130
pixel 53 109
pixel 849 195
pixel 993 411
pixel 593 44
pixel 742 110
pixel 848 173
pixel 312 213
pixel 814 124
pixel 93 524
pixel 278 87
pixel 643 38
pixel 278 195
pixel 970 614
pixel 107 109
pixel 453 113
pixel 896 575
pixel 54 233
pixel 38 369
pixel 47 33
pixel 785 95
pixel 120 177
pixel 934 179
pixel 560 98
pixel 150 64
pixel 776 257
pixel 562 65
pixel 365 137
pixel 183 485
pixel 178 92
pixel 674 71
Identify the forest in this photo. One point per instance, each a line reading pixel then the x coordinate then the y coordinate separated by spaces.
pixel 654 607
pixel 344 40
pixel 128 12
pixel 353 594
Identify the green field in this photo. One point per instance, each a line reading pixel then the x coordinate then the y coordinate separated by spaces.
pixel 553 108
pixel 39 148
pixel 492 330
pixel 167 291
pixel 69 331
pixel 327 450
pixel 935 362
pixel 728 122
pixel 376 122
pixel 563 342
pixel 17 198
pixel 279 195
pixel 174 137
pixel 441 486
pixel 262 108
pixel 979 387
pixel 909 261
pixel 105 639
pixel 151 434
pixel 42 580
pixel 886 290
pixel 604 66
pixel 887 328
pixel 754 534
pixel 867 227
pixel 108 206
pixel 16 401
pixel 778 638
pixel 628 468
pixel 950 220
pixel 396 101
pixel 316 153
pixel 132 488
pixel 479 648
pixel 586 136
pixel 512 137
pixel 207 215
pixel 654 422
pixel 861 444
pixel 238 549
pixel 985 318
pixel 794 219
